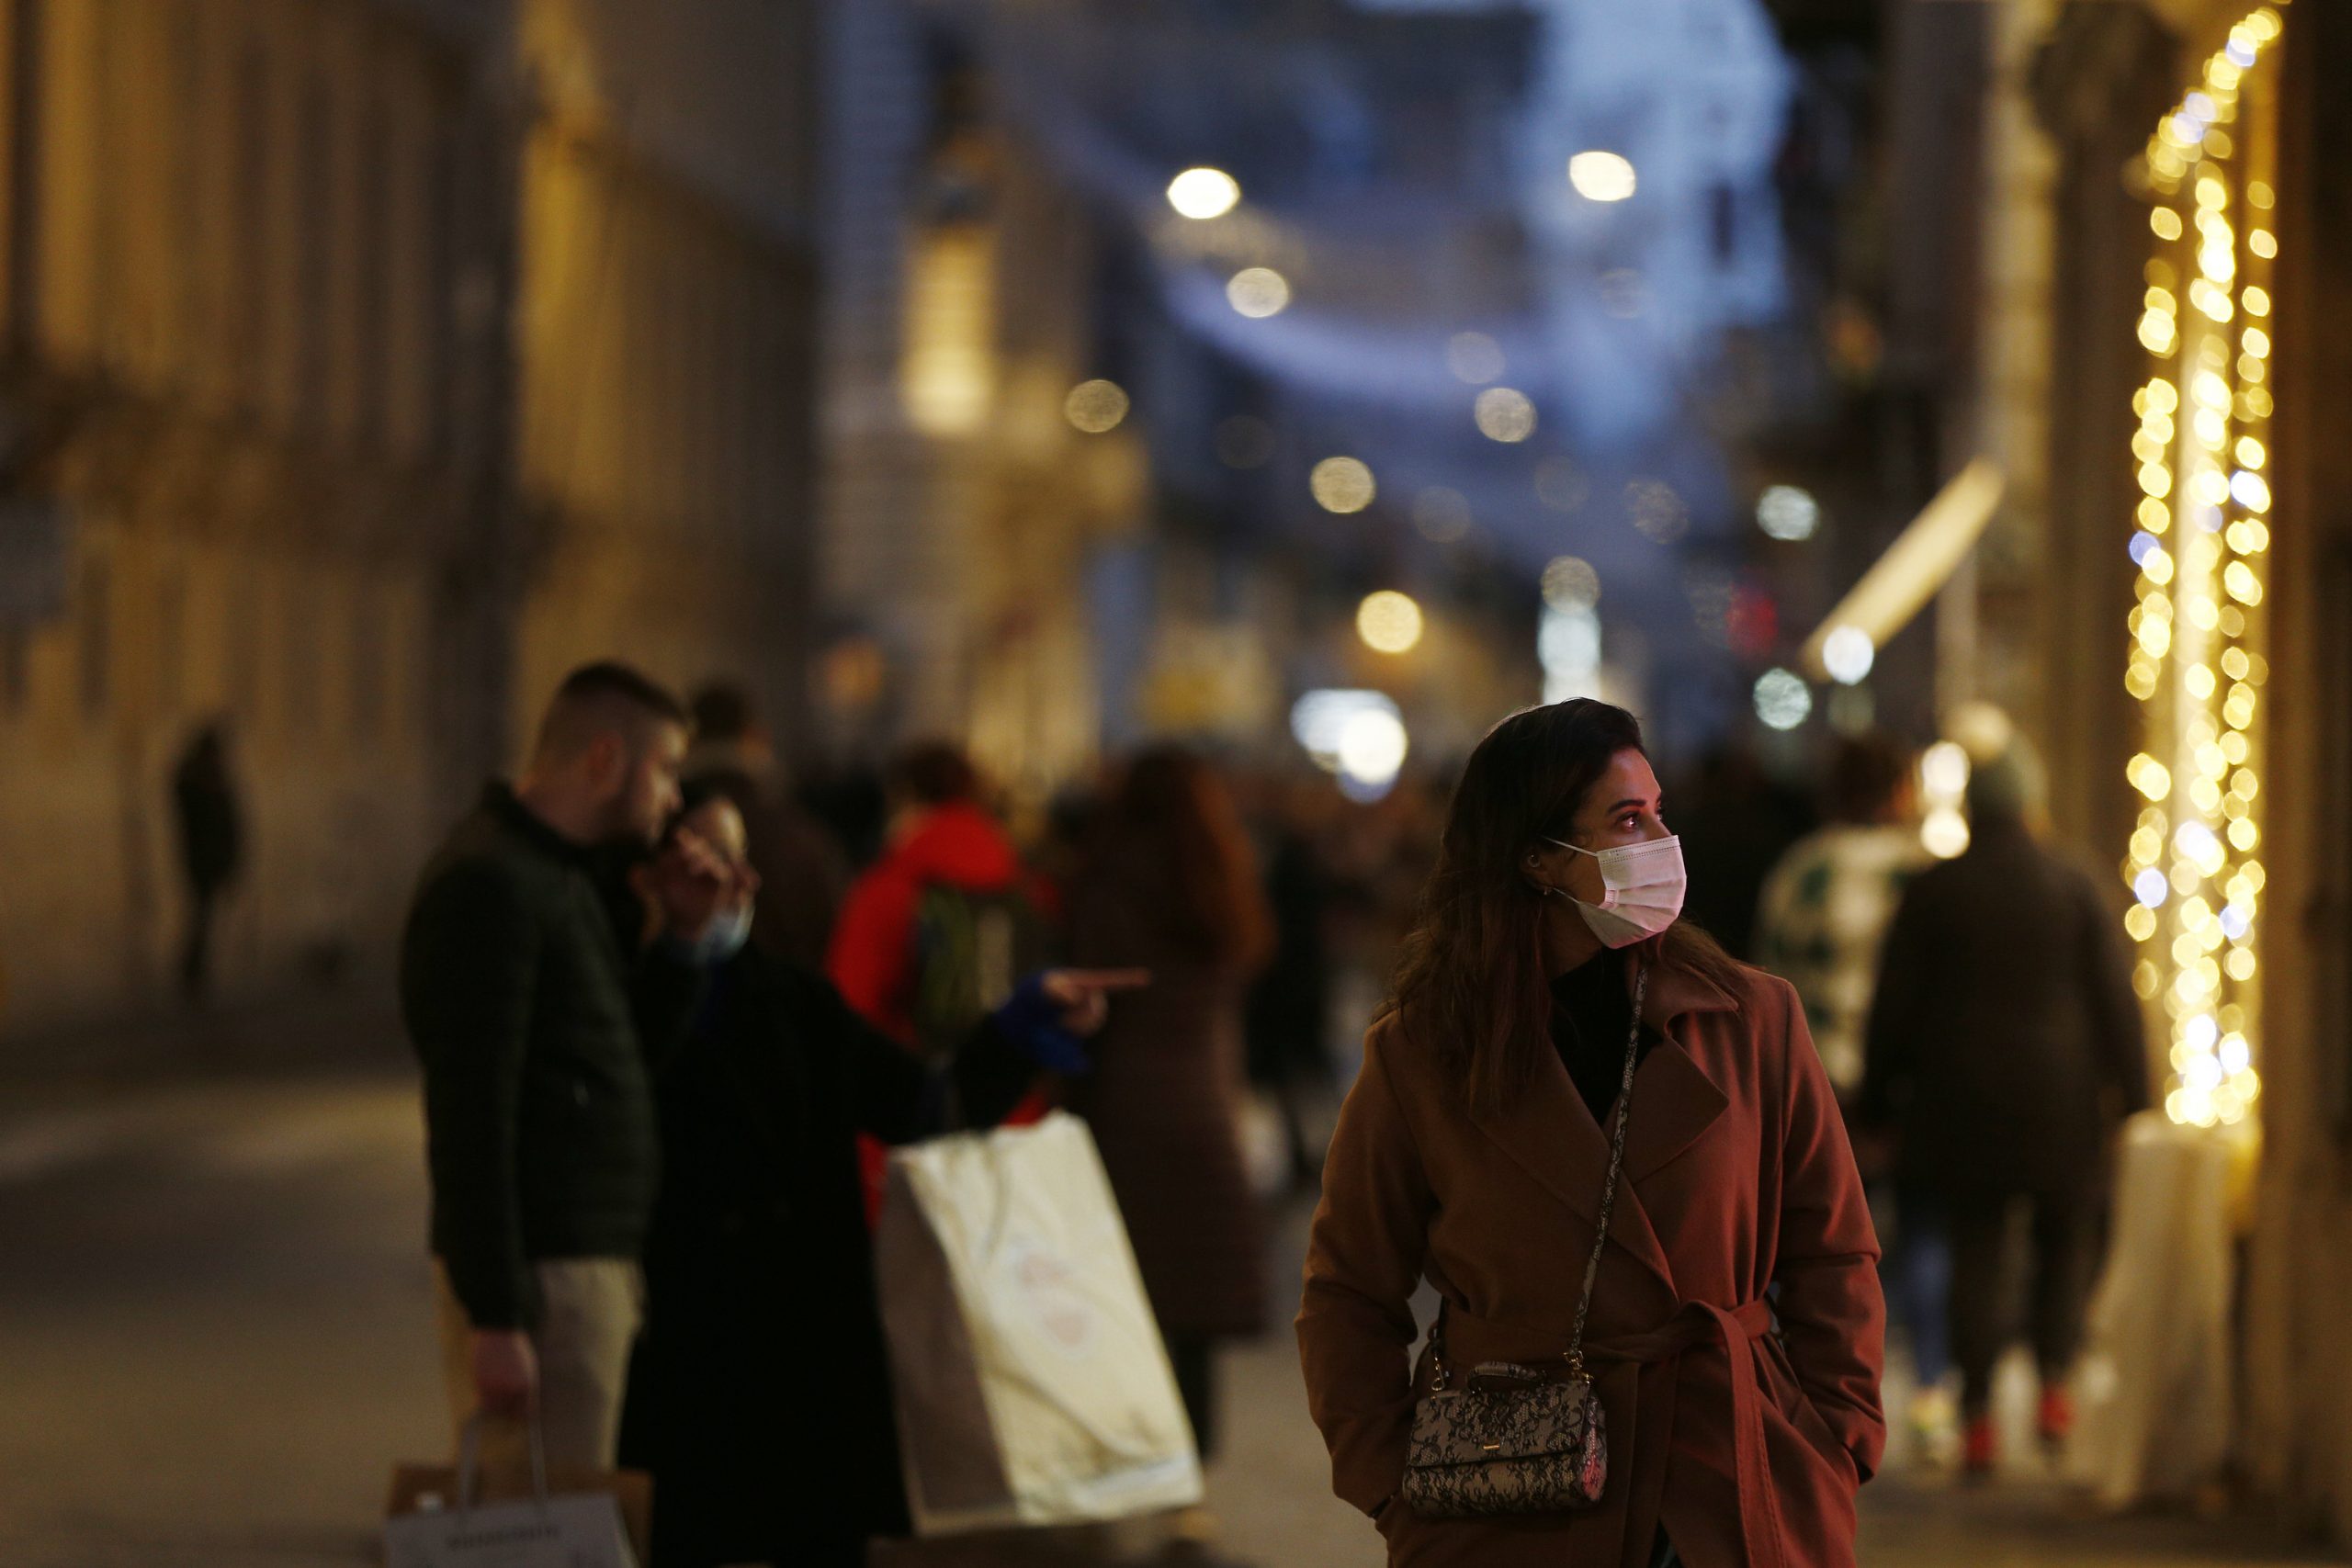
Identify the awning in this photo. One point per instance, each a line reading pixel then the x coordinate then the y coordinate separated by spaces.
pixel 1916 565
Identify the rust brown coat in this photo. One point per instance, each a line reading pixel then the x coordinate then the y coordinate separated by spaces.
pixel 1744 1428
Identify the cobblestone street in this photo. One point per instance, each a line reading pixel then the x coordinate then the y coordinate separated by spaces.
pixel 216 1315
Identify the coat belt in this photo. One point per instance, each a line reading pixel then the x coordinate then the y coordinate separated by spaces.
pixel 1694 1325
pixel 1734 1329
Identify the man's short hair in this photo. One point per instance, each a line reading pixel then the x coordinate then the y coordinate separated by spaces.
pixel 605 698
pixel 722 711
pixel 934 773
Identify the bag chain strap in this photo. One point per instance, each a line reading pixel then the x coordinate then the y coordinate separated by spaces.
pixel 1608 1203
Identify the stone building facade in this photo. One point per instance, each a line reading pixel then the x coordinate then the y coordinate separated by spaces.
pixel 369 362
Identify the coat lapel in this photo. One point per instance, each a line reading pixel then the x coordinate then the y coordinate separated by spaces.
pixel 1550 1131
pixel 1674 1099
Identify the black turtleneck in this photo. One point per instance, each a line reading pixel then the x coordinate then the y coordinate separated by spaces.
pixel 1592 1011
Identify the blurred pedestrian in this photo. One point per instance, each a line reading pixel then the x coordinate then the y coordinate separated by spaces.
pixel 1290 1004
pixel 1170 887
pixel 802 872
pixel 1734 1330
pixel 2005 1046
pixel 1826 905
pixel 1737 820
pixel 1820 926
pixel 534 1024
pixel 933 933
pixel 211 825
pixel 759 1397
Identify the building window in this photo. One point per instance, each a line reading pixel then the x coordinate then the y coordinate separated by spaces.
pixel 371 268
pixel 249 310
pixel 316 285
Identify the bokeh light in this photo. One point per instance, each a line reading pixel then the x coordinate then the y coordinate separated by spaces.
pixel 1258 292
pixel 1570 583
pixel 1389 622
pixel 1847 654
pixel 1506 414
pixel 1787 513
pixel 1343 485
pixel 1474 357
pixel 1602 176
pixel 1203 193
pixel 1096 406
pixel 1782 699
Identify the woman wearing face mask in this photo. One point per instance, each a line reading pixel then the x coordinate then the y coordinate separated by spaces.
pixel 759 1395
pixel 1551 1021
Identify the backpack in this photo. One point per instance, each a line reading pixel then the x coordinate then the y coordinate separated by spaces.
pixel 971 949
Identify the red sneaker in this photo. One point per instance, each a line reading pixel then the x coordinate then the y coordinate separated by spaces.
pixel 2055 1420
pixel 1980 1450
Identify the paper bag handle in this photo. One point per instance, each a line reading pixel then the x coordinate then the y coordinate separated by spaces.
pixel 469 1463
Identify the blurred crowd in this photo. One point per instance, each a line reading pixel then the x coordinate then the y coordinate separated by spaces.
pixel 776 979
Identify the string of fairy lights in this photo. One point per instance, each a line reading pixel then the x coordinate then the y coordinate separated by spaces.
pixel 2202 541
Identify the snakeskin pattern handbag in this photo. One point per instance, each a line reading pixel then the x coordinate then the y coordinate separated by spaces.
pixel 1515 1439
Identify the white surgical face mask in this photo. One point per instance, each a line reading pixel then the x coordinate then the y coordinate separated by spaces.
pixel 1645 884
pixel 726 937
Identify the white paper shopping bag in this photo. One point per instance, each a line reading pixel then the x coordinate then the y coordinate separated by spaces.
pixel 581 1530
pixel 1031 1382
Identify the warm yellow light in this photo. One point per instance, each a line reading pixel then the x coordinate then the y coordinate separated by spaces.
pixel 2263 242
pixel 1343 485
pixel 1203 193
pixel 2140 921
pixel 2166 222
pixel 1096 406
pixel 1258 292
pixel 2250 452
pixel 2148 776
pixel 2257 301
pixel 1505 414
pixel 1602 176
pixel 1389 622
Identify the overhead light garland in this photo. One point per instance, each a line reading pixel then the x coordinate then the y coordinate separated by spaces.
pixel 2200 630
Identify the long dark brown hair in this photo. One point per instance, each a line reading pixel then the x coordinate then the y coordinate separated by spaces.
pixel 1171 808
pixel 1471 985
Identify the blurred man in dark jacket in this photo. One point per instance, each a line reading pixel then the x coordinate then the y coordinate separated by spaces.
pixel 2006 1045
pixel 535 1026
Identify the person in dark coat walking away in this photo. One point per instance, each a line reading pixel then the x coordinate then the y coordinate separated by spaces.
pixel 1290 1004
pixel 2006 1045
pixel 1735 1327
pixel 212 847
pixel 535 1024
pixel 759 1396
pixel 1170 886
pixel 803 873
